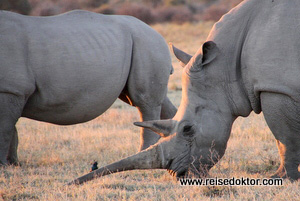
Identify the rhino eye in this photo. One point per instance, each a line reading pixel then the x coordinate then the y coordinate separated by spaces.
pixel 187 129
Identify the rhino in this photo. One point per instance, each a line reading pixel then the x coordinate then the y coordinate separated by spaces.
pixel 70 68
pixel 249 62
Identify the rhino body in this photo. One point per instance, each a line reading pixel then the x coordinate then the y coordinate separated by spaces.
pixel 250 62
pixel 70 68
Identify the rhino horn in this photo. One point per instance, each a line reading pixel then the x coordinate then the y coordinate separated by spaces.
pixel 151 158
pixel 183 57
pixel 164 128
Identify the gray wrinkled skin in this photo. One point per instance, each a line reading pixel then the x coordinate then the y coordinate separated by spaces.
pixel 70 68
pixel 250 62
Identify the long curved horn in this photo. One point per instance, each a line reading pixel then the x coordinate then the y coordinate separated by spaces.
pixel 151 158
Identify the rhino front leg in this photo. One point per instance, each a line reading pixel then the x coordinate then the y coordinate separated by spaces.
pixel 10 110
pixel 283 117
pixel 288 164
pixel 281 172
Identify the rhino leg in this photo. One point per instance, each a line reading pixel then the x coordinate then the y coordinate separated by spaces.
pixel 147 112
pixel 283 117
pixel 148 137
pixel 288 164
pixel 10 109
pixel 12 157
pixel 168 110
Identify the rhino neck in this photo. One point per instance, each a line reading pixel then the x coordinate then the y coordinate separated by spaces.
pixel 229 34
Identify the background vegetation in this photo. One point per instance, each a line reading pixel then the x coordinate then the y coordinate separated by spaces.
pixel 150 11
pixel 53 155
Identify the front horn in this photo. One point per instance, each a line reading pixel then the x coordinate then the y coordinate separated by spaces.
pixel 151 158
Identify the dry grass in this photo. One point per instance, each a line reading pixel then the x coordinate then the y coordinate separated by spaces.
pixel 53 155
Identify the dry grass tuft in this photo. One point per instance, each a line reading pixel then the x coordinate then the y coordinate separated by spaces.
pixel 219 191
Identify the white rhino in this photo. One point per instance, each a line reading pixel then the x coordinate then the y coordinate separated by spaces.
pixel 70 68
pixel 250 62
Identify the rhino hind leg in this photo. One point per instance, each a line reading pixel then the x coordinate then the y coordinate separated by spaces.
pixel 10 109
pixel 282 114
pixel 147 112
pixel 168 110
pixel 12 156
pixel 148 137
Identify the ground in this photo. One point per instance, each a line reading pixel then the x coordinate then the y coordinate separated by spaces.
pixel 53 155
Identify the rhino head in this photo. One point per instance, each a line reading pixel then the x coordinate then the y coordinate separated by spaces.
pixel 196 138
pixel 199 131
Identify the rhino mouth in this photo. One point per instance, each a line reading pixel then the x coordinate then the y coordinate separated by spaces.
pixel 179 166
pixel 179 174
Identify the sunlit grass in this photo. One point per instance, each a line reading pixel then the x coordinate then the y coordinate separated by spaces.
pixel 53 155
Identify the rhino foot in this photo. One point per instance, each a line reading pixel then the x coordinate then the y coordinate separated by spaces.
pixel 12 157
pixel 279 174
pixel 14 162
pixel 284 173
pixel 9 161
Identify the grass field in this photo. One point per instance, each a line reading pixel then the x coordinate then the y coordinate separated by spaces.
pixel 53 155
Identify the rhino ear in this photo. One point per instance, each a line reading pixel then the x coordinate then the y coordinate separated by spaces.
pixel 164 128
pixel 183 57
pixel 209 52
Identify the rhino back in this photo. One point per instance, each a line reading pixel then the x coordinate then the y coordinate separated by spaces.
pixel 272 48
pixel 77 62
